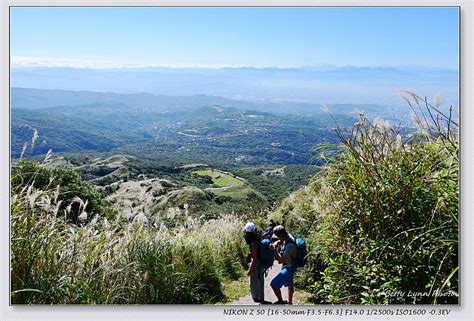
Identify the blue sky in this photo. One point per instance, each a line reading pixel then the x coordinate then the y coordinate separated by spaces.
pixel 260 37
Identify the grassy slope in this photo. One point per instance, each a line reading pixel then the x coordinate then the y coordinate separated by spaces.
pixel 390 224
pixel 112 262
pixel 220 179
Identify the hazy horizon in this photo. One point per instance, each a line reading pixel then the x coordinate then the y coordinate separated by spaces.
pixel 317 84
pixel 42 62
pixel 310 54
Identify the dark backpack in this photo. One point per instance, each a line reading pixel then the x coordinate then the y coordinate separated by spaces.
pixel 301 251
pixel 268 233
pixel 265 254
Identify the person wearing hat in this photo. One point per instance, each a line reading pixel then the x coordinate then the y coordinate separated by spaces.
pixel 287 259
pixel 255 271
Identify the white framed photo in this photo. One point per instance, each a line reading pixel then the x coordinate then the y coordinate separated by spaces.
pixel 241 160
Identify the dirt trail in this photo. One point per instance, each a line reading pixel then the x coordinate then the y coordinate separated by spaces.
pixel 269 295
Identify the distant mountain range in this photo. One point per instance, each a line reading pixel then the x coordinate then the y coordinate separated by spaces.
pixel 320 84
pixel 178 129
pixel 197 128
pixel 40 98
pixel 30 98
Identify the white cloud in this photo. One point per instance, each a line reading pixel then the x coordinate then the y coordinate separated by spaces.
pixel 52 62
pixel 18 62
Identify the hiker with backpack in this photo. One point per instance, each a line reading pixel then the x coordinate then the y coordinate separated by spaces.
pixel 293 256
pixel 261 258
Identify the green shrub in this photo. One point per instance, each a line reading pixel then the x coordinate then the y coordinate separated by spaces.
pixel 388 213
pixel 300 212
pixel 70 190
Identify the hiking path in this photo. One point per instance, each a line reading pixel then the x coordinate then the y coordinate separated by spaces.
pixel 269 295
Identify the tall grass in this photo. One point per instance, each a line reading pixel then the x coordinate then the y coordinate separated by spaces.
pixel 385 213
pixel 112 261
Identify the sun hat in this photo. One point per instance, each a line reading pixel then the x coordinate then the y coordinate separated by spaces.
pixel 279 231
pixel 249 227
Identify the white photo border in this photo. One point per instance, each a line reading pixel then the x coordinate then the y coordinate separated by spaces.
pixel 463 311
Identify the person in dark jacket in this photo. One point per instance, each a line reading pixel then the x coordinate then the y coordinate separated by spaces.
pixel 255 271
